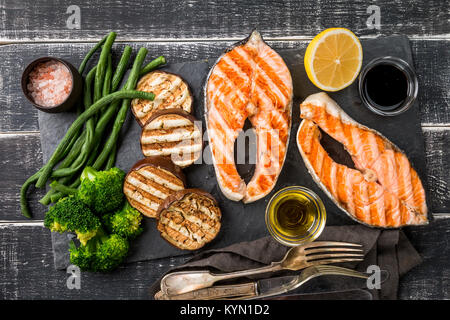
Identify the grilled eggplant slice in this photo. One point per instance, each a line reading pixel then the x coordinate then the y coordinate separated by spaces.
pixel 189 219
pixel 172 133
pixel 150 181
pixel 171 92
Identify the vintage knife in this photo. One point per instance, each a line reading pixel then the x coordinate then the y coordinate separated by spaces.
pixel 247 290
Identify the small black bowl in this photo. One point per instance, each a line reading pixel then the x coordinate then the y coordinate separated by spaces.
pixel 72 98
pixel 411 79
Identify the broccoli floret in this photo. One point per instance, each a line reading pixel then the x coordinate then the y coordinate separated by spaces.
pixel 125 222
pixel 83 256
pixel 102 190
pixel 72 215
pixel 102 253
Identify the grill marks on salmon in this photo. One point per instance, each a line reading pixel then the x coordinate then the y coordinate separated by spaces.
pixel 249 81
pixel 147 187
pixel 173 133
pixel 171 92
pixel 384 190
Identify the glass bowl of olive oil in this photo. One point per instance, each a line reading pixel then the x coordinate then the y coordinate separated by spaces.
pixel 295 215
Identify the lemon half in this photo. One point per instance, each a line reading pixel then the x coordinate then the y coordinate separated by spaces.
pixel 333 59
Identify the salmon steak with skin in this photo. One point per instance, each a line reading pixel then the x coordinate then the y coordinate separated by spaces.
pixel 383 190
pixel 249 81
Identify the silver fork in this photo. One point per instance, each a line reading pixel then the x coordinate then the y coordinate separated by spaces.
pixel 297 258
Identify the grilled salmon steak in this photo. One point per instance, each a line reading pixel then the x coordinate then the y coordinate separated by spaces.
pixel 249 81
pixel 383 190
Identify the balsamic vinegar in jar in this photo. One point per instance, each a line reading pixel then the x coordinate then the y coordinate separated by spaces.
pixel 386 87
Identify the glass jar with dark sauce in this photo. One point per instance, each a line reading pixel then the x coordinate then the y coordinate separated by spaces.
pixel 388 86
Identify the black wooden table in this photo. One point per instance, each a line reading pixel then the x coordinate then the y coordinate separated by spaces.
pixel 195 30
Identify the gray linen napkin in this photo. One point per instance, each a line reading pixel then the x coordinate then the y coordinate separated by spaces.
pixel 388 249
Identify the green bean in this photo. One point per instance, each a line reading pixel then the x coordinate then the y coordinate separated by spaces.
pixel 71 157
pixel 121 68
pixel 78 123
pixel 90 53
pixel 23 193
pixel 117 78
pixel 152 65
pixel 45 200
pixel 108 75
pixel 102 64
pixel 121 115
pixel 58 195
pixel 111 158
pixel 55 185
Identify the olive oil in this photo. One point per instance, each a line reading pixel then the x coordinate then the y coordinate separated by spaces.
pixel 295 215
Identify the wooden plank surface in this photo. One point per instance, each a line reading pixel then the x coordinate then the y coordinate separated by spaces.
pixel 140 20
pixel 26 263
pixel 18 115
pixel 194 30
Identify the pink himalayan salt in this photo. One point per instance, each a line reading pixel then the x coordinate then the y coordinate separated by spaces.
pixel 49 83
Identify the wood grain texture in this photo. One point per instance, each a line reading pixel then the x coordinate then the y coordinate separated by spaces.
pixel 431 279
pixel 21 157
pixel 26 268
pixel 46 20
pixel 25 157
pixel 431 60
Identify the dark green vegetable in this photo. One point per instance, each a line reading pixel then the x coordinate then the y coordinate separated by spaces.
pixel 57 186
pixel 101 190
pixel 70 214
pixel 102 253
pixel 126 222
pixel 111 158
pixel 121 68
pixel 96 107
pixel 90 53
pixel 153 65
pixel 108 76
pixel 102 65
pixel 121 115
pixel 23 193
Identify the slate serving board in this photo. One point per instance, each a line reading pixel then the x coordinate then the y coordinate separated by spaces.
pixel 246 222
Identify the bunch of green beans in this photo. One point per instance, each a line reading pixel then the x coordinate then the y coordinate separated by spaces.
pixel 103 106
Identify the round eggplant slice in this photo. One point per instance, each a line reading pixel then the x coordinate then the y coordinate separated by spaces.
pixel 189 219
pixel 150 181
pixel 170 90
pixel 173 133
